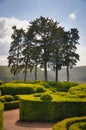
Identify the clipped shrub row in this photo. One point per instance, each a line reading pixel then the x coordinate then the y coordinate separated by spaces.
pixel 46 110
pixel 1 116
pixel 66 123
pixel 11 105
pixel 6 98
pixel 79 90
pixel 62 86
pixel 21 88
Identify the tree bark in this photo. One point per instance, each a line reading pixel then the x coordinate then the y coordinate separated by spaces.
pixel 45 71
pixel 25 74
pixel 56 73
pixel 67 73
pixel 36 71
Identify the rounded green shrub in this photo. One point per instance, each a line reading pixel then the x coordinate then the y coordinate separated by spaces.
pixel 40 90
pixel 46 97
pixel 2 99
pixel 8 98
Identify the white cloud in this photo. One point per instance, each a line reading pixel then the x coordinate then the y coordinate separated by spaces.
pixel 82 53
pixel 6 32
pixel 3 60
pixel 73 15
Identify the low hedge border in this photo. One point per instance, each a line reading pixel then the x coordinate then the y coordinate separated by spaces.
pixel 11 105
pixel 66 123
pixel 1 116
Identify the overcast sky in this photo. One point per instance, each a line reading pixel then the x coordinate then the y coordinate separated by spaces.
pixel 68 13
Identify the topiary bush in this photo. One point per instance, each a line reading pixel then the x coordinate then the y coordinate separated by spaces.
pixel 40 90
pixel 1 116
pixel 2 99
pixel 46 97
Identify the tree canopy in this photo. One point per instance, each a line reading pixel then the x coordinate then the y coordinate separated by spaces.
pixel 45 43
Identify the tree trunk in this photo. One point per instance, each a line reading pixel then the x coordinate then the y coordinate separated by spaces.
pixel 45 71
pixel 25 74
pixel 67 73
pixel 56 73
pixel 36 71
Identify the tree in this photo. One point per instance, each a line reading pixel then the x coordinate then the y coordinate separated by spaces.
pixel 70 45
pixel 15 51
pixel 56 53
pixel 26 53
pixel 44 29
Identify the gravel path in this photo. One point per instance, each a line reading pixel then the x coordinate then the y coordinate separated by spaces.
pixel 11 122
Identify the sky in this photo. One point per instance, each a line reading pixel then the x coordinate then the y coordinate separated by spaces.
pixel 68 13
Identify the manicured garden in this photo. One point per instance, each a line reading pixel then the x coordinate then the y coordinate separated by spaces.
pixel 47 101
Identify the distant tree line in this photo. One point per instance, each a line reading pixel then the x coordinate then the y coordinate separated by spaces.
pixel 44 44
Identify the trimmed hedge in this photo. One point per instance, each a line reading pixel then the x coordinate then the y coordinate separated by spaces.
pixel 11 105
pixel 79 91
pixel 66 123
pixel 37 110
pixel 17 88
pixel 62 86
pixel 46 97
pixel 1 116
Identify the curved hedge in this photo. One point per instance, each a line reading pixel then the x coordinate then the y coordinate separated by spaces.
pixel 66 123
pixel 37 110
pixel 1 116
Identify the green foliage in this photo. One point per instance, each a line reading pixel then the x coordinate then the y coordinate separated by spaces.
pixel 78 126
pixel 1 116
pixel 79 91
pixel 17 88
pixel 67 123
pixel 11 105
pixel 8 98
pixel 1 82
pixel 2 99
pixel 0 92
pixel 36 110
pixel 46 97
pixel 32 107
pixel 40 89
pixel 62 86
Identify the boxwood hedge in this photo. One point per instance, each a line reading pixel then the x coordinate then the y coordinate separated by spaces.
pixel 37 110
pixel 1 116
pixel 66 123
pixel 11 105
pixel 17 88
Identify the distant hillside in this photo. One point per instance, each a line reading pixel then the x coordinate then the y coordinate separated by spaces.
pixel 77 74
